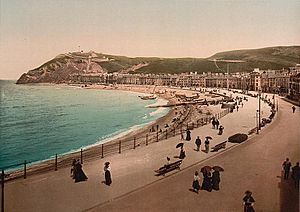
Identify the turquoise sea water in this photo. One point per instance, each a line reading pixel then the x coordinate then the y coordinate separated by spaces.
pixel 39 121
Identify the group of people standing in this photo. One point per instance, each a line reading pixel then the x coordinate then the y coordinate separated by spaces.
pixel 76 171
pixel 206 144
pixel 210 181
pixel 295 171
pixel 216 125
pixel 78 174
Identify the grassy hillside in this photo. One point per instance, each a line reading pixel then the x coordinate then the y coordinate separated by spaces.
pixel 265 58
pixel 62 67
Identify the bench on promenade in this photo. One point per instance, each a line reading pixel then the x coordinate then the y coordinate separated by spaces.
pixel 219 146
pixel 169 167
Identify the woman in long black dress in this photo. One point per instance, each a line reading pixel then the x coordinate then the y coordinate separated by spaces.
pixel 79 174
pixel 206 184
pixel 215 180
pixel 182 153
pixel 188 135
pixel 248 202
pixel 107 174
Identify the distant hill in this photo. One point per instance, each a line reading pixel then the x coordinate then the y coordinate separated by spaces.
pixel 63 66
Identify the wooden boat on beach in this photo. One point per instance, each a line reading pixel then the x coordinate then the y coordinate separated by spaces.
pixel 148 97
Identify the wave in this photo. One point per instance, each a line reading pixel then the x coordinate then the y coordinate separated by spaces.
pixel 157 112
pixel 61 114
pixel 159 102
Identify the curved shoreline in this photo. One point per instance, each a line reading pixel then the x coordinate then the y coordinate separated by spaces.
pixel 92 148
pixel 93 152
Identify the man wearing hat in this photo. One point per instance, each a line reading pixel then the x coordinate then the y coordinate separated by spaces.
pixel 248 202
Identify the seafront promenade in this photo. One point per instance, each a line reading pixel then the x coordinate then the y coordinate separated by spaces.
pixel 254 165
pixel 133 172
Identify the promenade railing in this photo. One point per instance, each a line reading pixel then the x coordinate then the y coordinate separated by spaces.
pixel 178 127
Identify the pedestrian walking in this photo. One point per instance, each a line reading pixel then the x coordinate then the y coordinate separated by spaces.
pixel 286 167
pixel 196 185
pixel 188 135
pixel 294 109
pixel 221 128
pixel 107 173
pixel 217 124
pixel 215 180
pixel 182 153
pixel 206 184
pixel 198 143
pixel 73 168
pixel 237 108
pixel 206 142
pixel 248 202
pixel 79 174
pixel 213 122
pixel 296 174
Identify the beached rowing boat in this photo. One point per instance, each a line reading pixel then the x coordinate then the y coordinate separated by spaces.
pixel 148 97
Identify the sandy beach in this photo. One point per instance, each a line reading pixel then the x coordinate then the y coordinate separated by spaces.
pixel 177 117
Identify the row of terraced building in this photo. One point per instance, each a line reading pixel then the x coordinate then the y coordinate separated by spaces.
pixel 284 81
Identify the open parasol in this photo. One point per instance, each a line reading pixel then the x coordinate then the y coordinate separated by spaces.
pixel 218 168
pixel 206 169
pixel 208 137
pixel 179 145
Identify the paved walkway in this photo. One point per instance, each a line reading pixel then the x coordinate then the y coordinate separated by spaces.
pixel 254 165
pixel 131 170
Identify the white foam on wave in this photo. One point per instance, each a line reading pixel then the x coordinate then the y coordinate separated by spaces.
pixel 160 110
pixel 159 102
pixel 115 135
pixel 157 112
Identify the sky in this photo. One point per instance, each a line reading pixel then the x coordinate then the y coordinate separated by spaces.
pixel 35 31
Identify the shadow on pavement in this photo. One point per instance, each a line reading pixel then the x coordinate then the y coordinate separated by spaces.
pixel 289 195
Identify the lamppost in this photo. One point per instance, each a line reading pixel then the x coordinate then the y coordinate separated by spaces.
pixel 259 110
pixel 256 118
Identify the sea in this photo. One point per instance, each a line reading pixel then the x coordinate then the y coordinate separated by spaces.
pixel 38 121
